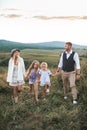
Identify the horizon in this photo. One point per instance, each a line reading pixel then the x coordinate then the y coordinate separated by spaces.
pixel 42 42
pixel 26 21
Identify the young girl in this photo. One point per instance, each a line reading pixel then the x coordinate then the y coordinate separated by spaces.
pixel 32 74
pixel 45 78
pixel 16 73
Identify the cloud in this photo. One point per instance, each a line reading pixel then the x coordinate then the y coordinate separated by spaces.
pixel 13 16
pixel 9 9
pixel 10 16
pixel 13 13
pixel 61 17
pixel 10 13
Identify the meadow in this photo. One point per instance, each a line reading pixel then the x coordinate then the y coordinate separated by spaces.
pixel 54 114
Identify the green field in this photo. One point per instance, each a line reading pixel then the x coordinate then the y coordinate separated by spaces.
pixel 55 113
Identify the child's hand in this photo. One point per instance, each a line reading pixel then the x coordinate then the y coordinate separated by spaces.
pixel 25 78
pixel 53 75
pixel 38 80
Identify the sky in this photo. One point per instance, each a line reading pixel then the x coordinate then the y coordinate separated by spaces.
pixel 33 21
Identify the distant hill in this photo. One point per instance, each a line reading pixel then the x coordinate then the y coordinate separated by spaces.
pixel 8 45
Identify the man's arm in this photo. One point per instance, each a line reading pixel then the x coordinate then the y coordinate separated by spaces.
pixel 60 63
pixel 77 61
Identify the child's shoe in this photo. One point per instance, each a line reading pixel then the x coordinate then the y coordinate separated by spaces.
pixel 47 90
pixel 16 99
pixel 44 99
pixel 37 100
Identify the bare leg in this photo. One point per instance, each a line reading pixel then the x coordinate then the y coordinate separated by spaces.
pixel 19 89
pixel 15 93
pixel 47 88
pixel 30 88
pixel 36 91
pixel 44 92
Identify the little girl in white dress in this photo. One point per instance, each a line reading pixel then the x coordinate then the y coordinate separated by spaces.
pixel 45 74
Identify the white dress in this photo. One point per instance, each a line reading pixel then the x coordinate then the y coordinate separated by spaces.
pixel 45 77
pixel 15 82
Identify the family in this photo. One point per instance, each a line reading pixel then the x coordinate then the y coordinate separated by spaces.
pixel 68 67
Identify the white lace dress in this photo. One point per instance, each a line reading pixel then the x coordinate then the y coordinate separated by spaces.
pixel 15 82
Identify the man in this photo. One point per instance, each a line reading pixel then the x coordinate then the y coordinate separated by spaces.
pixel 70 65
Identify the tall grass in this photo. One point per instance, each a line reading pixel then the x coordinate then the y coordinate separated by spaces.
pixel 54 114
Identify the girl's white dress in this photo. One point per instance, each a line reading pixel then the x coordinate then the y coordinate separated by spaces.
pixel 45 77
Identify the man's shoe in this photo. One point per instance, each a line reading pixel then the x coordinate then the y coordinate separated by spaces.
pixel 65 97
pixel 74 102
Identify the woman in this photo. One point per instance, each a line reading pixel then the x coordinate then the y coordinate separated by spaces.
pixel 16 73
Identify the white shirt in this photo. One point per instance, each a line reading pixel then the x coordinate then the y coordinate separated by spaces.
pixel 75 58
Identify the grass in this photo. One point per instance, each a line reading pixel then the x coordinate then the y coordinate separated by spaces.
pixel 54 114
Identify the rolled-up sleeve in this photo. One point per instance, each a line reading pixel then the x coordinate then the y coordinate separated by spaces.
pixel 61 61
pixel 77 61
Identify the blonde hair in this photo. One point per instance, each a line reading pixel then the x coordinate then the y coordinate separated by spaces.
pixel 44 63
pixel 32 66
